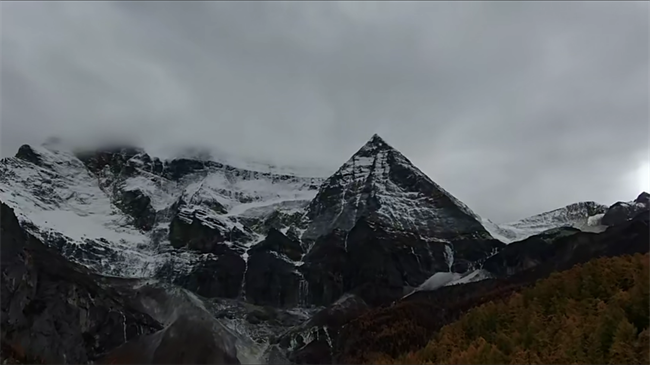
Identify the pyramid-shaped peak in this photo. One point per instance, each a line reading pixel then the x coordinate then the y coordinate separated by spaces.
pixel 373 146
pixel 381 184
pixel 376 140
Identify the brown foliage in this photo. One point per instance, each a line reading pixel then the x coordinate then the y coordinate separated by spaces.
pixel 406 326
pixel 595 313
pixel 13 353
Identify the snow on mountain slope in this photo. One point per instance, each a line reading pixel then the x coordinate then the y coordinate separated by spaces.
pixel 584 216
pixel 112 209
pixel 378 182
pixel 93 202
pixel 59 197
pixel 239 193
pixel 214 154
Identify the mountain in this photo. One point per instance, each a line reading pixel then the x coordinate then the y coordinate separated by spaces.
pixel 264 249
pixel 624 211
pixel 584 216
pixel 57 312
pixel 122 212
pixel 410 323
pixel 379 224
pixel 381 185
pixel 197 222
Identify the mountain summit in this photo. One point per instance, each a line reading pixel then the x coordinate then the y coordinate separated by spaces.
pixel 381 185
pixel 228 231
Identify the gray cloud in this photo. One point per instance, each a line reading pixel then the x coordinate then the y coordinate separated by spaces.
pixel 515 108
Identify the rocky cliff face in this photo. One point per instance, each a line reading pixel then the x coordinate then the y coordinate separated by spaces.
pixel 55 311
pixel 121 212
pixel 230 232
pixel 380 223
pixel 624 211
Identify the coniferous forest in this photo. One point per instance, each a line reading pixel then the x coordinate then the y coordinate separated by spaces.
pixel 595 313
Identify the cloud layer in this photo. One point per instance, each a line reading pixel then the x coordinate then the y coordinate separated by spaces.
pixel 515 108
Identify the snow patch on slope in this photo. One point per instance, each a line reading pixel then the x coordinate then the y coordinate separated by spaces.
pixel 438 280
pixel 472 276
pixel 574 215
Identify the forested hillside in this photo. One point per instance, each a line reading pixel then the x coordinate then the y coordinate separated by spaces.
pixel 595 313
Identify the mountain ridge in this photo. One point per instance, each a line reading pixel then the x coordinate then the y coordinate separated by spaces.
pixel 266 251
pixel 125 213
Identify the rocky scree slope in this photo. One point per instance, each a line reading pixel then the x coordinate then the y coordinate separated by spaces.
pixel 55 311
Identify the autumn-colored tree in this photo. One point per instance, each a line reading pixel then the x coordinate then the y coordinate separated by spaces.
pixel 594 313
pixel 622 349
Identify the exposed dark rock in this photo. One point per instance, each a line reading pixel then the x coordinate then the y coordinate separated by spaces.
pixel 528 253
pixel 177 168
pixel 377 263
pixel 643 198
pixel 219 276
pixel 277 242
pixel 55 311
pixel 293 234
pixel 317 351
pixel 258 316
pixel 137 205
pixel 188 340
pixel 624 211
pixel 324 326
pixel 110 161
pixel 27 153
pixel 197 231
pixel 271 279
pixel 280 219
pixel 263 323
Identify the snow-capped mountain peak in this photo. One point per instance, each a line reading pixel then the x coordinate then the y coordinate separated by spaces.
pixel 381 184
pixel 582 215
pixel 200 222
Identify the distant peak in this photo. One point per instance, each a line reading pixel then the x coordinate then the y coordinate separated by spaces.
pixel 376 140
pixel 374 145
pixel 644 197
pixel 27 153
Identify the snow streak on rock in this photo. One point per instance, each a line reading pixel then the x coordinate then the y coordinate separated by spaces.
pixel 381 184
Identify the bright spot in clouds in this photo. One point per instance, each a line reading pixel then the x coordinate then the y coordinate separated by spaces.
pixel 643 176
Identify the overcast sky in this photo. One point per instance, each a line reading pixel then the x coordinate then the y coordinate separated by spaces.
pixel 514 107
